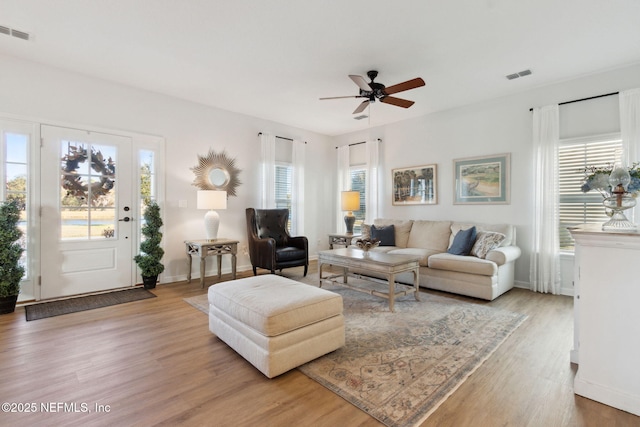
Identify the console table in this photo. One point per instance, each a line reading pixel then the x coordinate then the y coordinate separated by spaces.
pixel 341 239
pixel 607 320
pixel 205 248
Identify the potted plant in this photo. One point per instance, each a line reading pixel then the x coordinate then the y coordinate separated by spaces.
pixel 150 256
pixel 11 271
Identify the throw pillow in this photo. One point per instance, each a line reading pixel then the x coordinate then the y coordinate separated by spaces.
pixel 386 235
pixel 463 242
pixel 486 241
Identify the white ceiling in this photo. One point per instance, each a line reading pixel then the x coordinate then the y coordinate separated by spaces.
pixel 274 59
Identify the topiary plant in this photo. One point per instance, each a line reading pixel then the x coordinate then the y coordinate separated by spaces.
pixel 149 259
pixel 11 271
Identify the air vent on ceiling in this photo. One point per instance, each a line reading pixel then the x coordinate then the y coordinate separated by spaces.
pixel 360 117
pixel 13 32
pixel 518 74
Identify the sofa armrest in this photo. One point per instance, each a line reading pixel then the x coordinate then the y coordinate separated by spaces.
pixel 504 254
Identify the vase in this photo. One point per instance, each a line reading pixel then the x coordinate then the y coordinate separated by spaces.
pixel 8 304
pixel 617 205
pixel 149 281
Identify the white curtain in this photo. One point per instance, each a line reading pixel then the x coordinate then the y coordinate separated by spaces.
pixel 344 184
pixel 371 189
pixel 630 126
pixel 268 147
pixel 297 196
pixel 544 274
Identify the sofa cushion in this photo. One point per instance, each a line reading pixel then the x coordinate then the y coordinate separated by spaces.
pixel 402 229
pixel 386 234
pixel 463 242
pixel 433 235
pixel 463 264
pixel 508 230
pixel 423 254
pixel 486 241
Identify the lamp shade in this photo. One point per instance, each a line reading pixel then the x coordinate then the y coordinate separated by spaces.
pixel 350 200
pixel 212 199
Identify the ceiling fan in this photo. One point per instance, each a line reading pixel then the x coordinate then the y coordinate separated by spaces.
pixel 373 91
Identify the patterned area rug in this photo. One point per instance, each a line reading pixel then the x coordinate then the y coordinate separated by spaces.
pixel 399 367
pixel 73 305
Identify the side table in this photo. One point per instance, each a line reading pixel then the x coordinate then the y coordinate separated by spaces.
pixel 341 239
pixel 204 248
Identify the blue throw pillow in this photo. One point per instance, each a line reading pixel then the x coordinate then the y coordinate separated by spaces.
pixel 463 242
pixel 386 235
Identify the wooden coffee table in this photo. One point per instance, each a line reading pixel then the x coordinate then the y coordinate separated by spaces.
pixel 384 264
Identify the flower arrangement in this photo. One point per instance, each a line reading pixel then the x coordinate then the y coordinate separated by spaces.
pixel 366 244
pixel 597 178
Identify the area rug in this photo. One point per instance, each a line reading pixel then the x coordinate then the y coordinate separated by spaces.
pixel 399 367
pixel 73 305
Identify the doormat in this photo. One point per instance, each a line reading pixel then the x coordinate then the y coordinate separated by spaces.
pixel 73 305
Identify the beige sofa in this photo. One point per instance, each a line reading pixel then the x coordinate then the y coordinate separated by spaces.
pixel 485 278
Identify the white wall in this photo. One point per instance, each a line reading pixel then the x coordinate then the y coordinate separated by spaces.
pixel 46 94
pixel 501 125
pixel 498 126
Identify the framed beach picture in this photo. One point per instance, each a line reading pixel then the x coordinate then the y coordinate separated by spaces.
pixel 415 185
pixel 482 180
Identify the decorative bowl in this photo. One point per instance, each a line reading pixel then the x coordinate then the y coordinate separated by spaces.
pixel 366 244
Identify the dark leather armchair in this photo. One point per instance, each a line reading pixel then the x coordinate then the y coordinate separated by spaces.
pixel 270 245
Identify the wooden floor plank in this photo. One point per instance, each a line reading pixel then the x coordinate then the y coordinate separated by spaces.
pixel 154 362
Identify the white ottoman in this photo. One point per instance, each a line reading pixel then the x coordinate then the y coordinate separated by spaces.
pixel 276 323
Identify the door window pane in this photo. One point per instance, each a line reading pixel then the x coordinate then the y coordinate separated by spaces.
pixel 88 193
pixel 16 177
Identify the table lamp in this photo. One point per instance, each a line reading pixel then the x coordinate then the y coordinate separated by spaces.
pixel 350 202
pixel 212 199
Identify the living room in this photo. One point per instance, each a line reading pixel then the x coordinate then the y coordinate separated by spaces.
pixel 40 93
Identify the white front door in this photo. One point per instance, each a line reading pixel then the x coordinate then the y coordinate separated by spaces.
pixel 86 218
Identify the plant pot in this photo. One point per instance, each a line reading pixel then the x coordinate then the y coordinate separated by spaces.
pixel 149 281
pixel 8 304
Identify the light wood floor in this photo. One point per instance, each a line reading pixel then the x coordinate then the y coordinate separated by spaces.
pixel 154 362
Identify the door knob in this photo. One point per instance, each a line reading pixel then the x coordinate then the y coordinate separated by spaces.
pixel 125 219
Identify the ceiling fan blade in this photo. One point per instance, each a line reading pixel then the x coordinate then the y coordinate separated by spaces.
pixel 361 107
pixel 340 97
pixel 398 102
pixel 361 82
pixel 400 87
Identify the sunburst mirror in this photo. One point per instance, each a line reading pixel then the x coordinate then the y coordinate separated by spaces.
pixel 216 171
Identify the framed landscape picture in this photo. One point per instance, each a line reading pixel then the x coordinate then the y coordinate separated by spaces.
pixel 415 185
pixel 482 180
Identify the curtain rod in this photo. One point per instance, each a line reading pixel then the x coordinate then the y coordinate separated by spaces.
pixel 281 137
pixel 585 99
pixel 361 142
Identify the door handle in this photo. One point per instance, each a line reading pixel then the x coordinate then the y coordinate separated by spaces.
pixel 125 219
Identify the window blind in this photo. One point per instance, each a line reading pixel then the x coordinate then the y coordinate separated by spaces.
pixel 577 207
pixel 283 188
pixel 358 183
